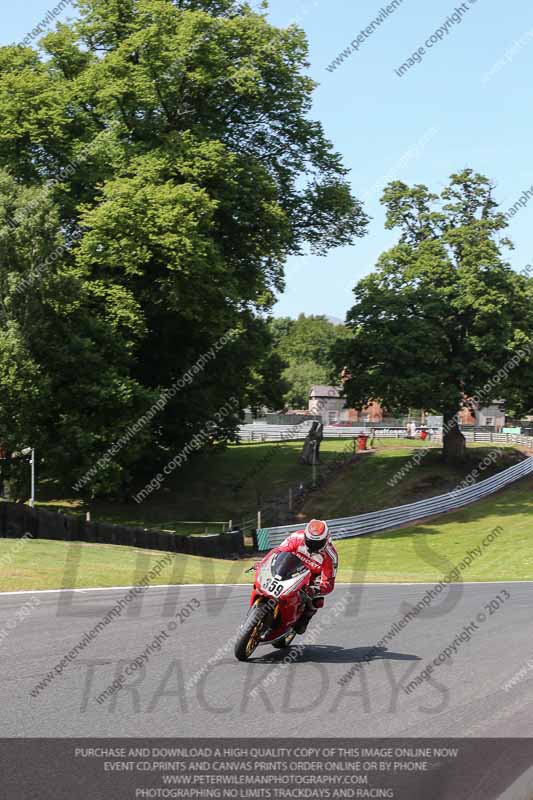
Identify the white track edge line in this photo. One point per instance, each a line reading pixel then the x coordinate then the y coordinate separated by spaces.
pixel 196 585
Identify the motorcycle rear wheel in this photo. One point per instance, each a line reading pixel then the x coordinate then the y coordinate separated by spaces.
pixel 250 633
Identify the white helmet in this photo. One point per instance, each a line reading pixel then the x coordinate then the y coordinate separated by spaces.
pixel 316 535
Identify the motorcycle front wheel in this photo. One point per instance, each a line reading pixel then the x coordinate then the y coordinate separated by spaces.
pixel 250 633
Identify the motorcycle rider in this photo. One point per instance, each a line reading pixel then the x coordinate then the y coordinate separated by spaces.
pixel 314 547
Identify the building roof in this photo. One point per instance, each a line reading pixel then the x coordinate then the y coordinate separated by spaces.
pixel 319 390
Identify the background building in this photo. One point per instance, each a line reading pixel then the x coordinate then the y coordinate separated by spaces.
pixel 328 403
pixel 492 416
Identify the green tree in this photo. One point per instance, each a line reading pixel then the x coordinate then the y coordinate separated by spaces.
pixel 175 140
pixel 65 347
pixel 306 345
pixel 443 312
pixel 300 376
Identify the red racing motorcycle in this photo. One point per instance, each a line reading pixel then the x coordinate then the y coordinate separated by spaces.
pixel 278 600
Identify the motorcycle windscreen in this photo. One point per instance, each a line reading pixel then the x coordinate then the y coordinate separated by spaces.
pixel 287 565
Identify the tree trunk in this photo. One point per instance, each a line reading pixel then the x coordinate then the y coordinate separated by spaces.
pixel 453 441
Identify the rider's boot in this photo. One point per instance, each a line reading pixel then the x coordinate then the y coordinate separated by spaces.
pixel 301 625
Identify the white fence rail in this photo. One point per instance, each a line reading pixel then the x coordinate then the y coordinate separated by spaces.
pixel 281 433
pixel 285 433
pixel 376 521
pixel 501 438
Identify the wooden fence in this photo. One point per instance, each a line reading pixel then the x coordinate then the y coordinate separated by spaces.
pixel 16 519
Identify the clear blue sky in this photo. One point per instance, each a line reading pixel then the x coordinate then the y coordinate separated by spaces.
pixel 440 117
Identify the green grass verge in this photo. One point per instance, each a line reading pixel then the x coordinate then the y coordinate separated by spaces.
pixel 425 552
pixel 234 483
pixel 431 549
pixel 376 481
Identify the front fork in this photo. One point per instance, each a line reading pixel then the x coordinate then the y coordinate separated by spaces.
pixel 271 616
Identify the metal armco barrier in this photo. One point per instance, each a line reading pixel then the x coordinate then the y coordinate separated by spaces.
pixel 376 521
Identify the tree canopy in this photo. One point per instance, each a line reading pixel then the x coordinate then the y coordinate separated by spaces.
pixel 164 153
pixel 443 318
pixel 306 345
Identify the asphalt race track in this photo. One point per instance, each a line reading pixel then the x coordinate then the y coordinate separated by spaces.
pixel 302 697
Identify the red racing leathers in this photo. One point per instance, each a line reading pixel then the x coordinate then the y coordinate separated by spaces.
pixel 323 565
